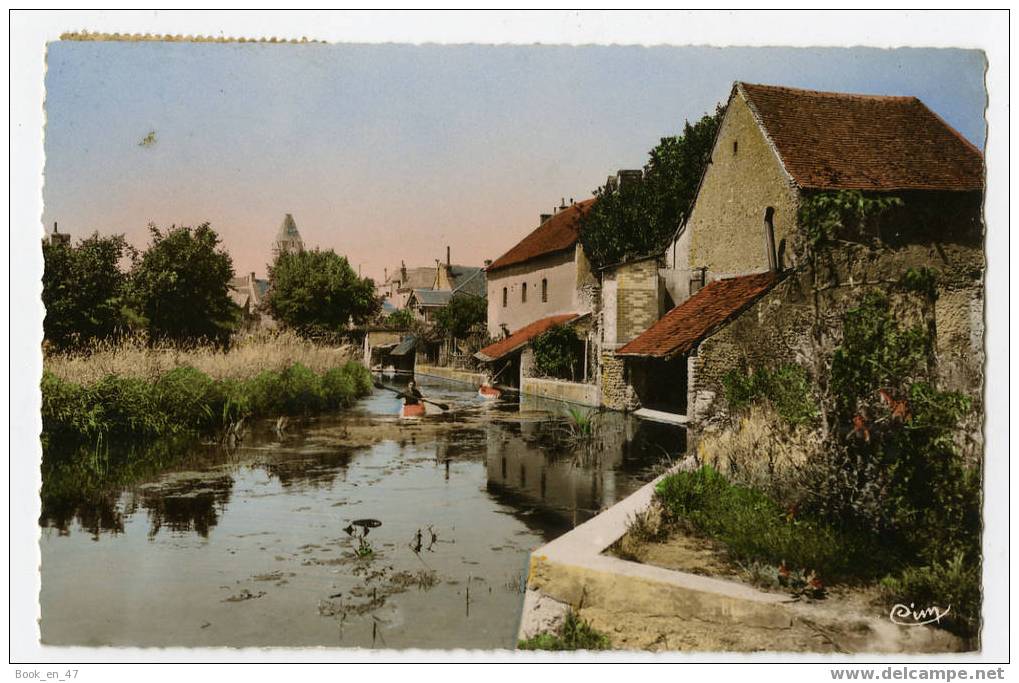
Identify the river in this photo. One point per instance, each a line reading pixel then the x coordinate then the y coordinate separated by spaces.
pixel 253 545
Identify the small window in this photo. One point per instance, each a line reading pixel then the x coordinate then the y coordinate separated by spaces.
pixel 505 297
pixel 735 147
pixel 544 290
pixel 523 293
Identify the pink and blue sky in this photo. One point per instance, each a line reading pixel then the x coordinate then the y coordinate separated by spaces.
pixel 390 152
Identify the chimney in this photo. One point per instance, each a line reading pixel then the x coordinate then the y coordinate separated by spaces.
pixel 448 262
pixel 627 176
pixel 488 262
pixel 769 239
pixel 543 217
pixel 55 231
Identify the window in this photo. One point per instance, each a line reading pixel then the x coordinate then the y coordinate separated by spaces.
pixel 544 290
pixel 505 297
pixel 735 147
pixel 523 293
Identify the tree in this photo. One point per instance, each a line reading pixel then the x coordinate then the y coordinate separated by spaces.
pixel 401 319
pixel 83 289
pixel 314 291
pixel 463 313
pixel 180 286
pixel 639 218
pixel 557 352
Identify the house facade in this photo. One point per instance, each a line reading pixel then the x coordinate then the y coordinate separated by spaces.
pixel 752 298
pixel 545 274
pixel 544 280
pixel 400 282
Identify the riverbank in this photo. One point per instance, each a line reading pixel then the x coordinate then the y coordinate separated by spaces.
pixel 696 600
pixel 135 393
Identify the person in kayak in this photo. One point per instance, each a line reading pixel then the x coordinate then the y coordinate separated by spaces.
pixel 412 396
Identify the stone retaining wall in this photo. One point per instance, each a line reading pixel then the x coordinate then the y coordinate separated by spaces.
pixel 559 390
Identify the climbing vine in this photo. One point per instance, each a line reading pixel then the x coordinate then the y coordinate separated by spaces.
pixel 827 215
pixel 556 352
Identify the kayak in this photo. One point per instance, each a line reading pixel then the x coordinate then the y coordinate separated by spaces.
pixel 414 410
pixel 488 392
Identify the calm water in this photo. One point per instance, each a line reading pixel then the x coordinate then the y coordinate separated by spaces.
pixel 249 547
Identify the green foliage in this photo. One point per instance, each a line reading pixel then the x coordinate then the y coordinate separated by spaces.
pixel 786 388
pixel 753 527
pixel 187 401
pixel 581 422
pixel 953 584
pixel 875 353
pixel 575 634
pixel 180 286
pixel 83 289
pixel 463 313
pixel 641 217
pixel 846 213
pixel 921 280
pixel 556 352
pixel 893 469
pixel 401 319
pixel 317 291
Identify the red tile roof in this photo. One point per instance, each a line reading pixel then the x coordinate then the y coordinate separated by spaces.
pixel 838 141
pixel 525 334
pixel 559 232
pixel 682 328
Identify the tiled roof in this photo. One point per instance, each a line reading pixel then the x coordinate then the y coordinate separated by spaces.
pixel 838 141
pixel 469 280
pixel 525 334
pixel 405 347
pixel 682 328
pixel 432 297
pixel 418 278
pixel 559 232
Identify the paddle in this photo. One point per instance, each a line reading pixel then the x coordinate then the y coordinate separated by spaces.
pixel 379 385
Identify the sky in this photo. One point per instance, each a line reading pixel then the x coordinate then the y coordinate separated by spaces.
pixel 392 152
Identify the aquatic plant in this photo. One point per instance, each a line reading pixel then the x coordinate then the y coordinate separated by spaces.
pixel 574 634
pixel 187 401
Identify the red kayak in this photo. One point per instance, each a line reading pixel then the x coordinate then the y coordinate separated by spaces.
pixel 488 392
pixel 413 410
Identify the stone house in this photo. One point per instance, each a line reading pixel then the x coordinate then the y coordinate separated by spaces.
pixel 248 293
pixel 400 282
pixel 753 296
pixel 544 280
pixel 545 274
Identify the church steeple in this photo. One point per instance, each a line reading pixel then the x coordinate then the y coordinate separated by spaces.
pixel 288 239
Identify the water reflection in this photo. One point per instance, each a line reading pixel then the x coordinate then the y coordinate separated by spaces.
pixel 463 500
pixel 189 505
pixel 546 471
pixel 535 465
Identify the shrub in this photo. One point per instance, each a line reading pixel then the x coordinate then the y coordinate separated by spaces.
pixel 953 584
pixel 190 399
pixel 129 407
pixel 556 352
pixel 787 389
pixel 574 634
pixel 754 527
pixel 187 401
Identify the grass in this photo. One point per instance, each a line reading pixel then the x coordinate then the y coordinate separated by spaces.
pixel 754 528
pixel 575 634
pixel 249 356
pixel 164 394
